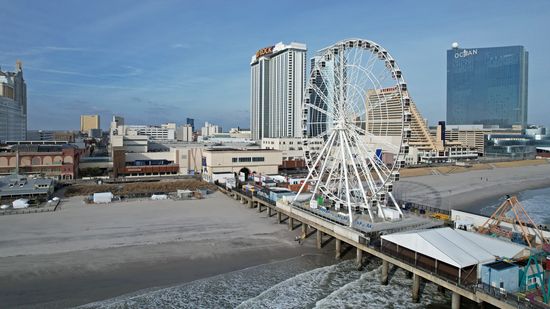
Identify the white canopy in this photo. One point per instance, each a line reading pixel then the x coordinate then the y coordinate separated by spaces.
pixel 456 247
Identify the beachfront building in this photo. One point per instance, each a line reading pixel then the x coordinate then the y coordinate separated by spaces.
pixel 277 90
pixel 487 86
pixel 60 161
pixel 17 186
pixel 229 162
pixel 13 104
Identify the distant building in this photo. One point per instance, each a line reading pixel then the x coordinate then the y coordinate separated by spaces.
pixel 164 132
pixel 210 129
pixel 45 135
pixel 191 122
pixel 40 135
pixel 278 75
pixel 184 133
pixel 13 104
pixel 95 133
pixel 88 122
pixel 487 86
pixel 240 133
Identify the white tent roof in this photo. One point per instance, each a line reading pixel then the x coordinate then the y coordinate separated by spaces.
pixel 456 247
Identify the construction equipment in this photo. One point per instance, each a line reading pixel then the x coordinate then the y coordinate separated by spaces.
pixel 520 227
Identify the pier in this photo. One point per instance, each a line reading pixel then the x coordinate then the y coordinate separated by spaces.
pixel 343 236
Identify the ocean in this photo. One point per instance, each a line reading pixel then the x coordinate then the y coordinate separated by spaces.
pixel 536 203
pixel 301 282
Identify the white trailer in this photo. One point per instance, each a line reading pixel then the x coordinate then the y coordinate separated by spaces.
pixel 103 197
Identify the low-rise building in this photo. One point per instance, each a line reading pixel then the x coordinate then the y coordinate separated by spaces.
pixel 17 186
pixel 239 162
pixel 49 160
pixel 292 149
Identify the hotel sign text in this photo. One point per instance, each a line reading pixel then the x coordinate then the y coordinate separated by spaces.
pixel 465 53
pixel 264 51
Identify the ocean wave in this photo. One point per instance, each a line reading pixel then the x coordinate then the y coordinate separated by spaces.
pixel 303 282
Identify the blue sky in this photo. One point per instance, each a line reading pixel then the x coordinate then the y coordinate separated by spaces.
pixel 160 61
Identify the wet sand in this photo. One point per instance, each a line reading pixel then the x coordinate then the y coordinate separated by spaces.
pixel 472 190
pixel 86 253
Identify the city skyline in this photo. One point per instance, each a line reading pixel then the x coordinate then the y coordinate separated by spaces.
pixel 164 62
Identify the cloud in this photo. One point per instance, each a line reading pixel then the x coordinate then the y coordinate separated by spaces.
pixel 181 45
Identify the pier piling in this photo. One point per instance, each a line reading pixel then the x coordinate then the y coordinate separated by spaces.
pixel 384 276
pixel 455 301
pixel 416 289
pixel 338 243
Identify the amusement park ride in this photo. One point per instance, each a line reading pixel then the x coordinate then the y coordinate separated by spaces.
pixel 520 228
pixel 356 101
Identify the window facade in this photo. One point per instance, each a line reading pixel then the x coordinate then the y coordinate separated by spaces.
pixel 487 86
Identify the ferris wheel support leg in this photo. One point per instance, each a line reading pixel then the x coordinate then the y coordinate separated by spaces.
pixel 395 203
pixel 310 173
pixel 346 181
pixel 330 143
pixel 358 177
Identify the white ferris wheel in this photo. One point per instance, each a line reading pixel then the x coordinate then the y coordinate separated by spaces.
pixel 357 104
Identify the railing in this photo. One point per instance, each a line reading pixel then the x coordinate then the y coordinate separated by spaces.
pixel 509 298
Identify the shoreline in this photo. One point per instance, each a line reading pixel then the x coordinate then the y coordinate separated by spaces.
pixel 66 284
pixel 89 253
pixel 500 191
pixel 472 190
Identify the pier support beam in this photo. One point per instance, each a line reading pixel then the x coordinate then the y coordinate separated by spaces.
pixel 319 239
pixel 251 204
pixel 455 301
pixel 304 231
pixel 359 257
pixel 385 269
pixel 416 288
pixel 279 219
pixel 259 207
pixel 290 223
pixel 338 243
pixel 268 211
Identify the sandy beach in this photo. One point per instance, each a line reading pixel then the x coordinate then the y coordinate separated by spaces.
pixel 86 253
pixel 471 190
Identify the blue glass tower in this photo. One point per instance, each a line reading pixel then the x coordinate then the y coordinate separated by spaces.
pixel 487 86
pixel 191 122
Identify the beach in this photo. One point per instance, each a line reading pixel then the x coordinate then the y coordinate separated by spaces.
pixel 93 253
pixel 86 253
pixel 472 190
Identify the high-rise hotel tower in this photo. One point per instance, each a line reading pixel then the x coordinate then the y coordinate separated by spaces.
pixel 278 77
pixel 487 85
pixel 13 104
